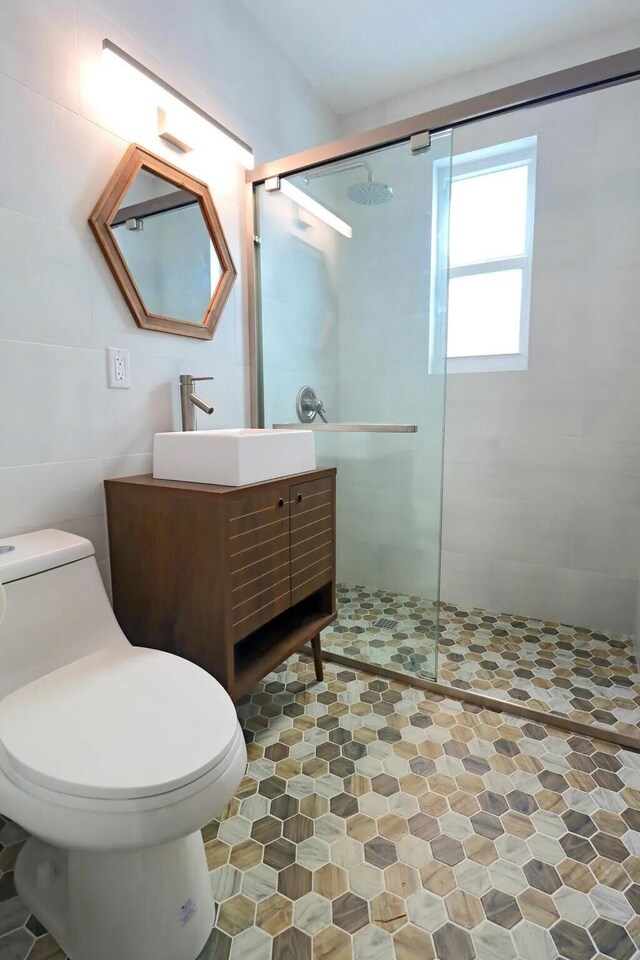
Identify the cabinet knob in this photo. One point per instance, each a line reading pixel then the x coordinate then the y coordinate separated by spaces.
pixel 281 502
pixel 299 498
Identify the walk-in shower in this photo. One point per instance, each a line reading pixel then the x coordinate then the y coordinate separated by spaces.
pixel 502 248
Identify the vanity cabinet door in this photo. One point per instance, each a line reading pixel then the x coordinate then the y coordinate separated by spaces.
pixel 257 528
pixel 312 536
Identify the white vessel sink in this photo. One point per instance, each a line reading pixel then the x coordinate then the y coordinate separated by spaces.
pixel 232 458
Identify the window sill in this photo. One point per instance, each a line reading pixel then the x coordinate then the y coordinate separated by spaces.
pixel 491 364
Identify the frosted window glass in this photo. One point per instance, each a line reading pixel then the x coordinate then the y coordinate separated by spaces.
pixel 488 219
pixel 484 314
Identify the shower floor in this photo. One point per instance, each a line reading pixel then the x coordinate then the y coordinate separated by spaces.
pixel 566 670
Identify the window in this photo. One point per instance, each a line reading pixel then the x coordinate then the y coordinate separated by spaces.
pixel 490 235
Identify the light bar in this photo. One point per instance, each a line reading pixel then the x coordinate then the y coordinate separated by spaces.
pixel 202 129
pixel 309 203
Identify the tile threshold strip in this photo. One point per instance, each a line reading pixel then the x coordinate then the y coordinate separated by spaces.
pixel 487 702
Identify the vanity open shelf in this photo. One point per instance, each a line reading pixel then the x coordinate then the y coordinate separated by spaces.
pixel 235 579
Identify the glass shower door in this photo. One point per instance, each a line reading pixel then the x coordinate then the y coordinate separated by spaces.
pixel 351 306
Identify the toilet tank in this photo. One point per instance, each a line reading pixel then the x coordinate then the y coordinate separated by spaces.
pixel 57 610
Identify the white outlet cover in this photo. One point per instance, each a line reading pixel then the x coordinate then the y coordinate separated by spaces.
pixel 119 363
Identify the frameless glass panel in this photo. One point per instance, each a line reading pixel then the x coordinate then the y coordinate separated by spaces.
pixel 346 259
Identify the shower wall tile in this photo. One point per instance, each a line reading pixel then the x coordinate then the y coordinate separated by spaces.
pixel 600 601
pixel 530 403
pixel 512 529
pixel 607 540
pixel 542 467
pixel 612 403
pixel 577 597
pixel 615 297
pixel 359 560
pixel 411 569
pixel 465 575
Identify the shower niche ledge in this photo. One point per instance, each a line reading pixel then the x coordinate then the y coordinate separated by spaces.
pixel 235 579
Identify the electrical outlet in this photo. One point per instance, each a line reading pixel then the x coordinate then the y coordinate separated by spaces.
pixel 119 368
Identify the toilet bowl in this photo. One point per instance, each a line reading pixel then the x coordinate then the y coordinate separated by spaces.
pixel 112 757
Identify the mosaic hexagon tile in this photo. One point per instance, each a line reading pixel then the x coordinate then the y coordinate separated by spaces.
pixel 569 671
pixel 376 822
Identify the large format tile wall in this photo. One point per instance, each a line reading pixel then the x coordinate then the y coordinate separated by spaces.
pixel 542 469
pixel 64 131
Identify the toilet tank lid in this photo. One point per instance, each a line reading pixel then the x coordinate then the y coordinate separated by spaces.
pixel 40 551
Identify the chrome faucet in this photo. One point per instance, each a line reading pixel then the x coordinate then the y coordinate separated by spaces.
pixel 189 401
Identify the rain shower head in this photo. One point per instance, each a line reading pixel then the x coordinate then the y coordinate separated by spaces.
pixel 370 193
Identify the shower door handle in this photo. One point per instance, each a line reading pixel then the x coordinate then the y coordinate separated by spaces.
pixel 350 427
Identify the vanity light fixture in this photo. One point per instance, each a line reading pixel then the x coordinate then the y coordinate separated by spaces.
pixel 309 203
pixel 180 121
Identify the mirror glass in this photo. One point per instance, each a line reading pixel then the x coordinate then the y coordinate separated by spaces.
pixel 164 241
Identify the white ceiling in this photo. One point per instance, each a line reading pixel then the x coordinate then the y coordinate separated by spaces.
pixel 358 52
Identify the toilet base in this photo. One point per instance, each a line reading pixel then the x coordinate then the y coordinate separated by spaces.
pixel 154 903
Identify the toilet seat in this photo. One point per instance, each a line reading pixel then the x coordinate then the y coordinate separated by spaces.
pixel 117 725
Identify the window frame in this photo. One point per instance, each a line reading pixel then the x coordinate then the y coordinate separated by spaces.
pixel 503 156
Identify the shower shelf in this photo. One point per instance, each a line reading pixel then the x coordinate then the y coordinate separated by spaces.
pixel 350 427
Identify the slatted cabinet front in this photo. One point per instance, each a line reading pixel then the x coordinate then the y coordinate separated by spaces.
pixel 281 549
pixel 259 558
pixel 312 536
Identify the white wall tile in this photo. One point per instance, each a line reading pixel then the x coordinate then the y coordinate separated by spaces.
pixel 512 529
pixel 64 133
pixel 465 579
pixel 542 467
pixel 612 408
pixel 54 306
pixel 144 20
pixel 38 47
pixel 599 601
pixel 54 165
pixel 45 495
pixel 50 392
pixel 607 540
pixel 529 590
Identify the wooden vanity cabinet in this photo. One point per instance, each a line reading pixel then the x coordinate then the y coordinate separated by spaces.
pixel 235 579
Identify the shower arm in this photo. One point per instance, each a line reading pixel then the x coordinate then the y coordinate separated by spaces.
pixel 339 168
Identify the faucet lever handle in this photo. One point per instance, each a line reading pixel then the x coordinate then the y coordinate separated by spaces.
pixel 193 379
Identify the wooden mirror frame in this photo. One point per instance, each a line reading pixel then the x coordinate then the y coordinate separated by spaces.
pixel 135 159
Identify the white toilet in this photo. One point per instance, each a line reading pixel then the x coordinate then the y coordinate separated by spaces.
pixel 112 756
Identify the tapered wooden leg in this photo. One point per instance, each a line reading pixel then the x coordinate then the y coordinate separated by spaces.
pixel 317 657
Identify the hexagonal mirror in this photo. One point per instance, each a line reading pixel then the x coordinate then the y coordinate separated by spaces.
pixel 161 235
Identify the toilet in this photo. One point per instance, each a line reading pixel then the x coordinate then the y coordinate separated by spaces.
pixel 112 757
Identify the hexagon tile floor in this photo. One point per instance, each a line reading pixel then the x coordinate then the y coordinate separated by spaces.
pixel 379 823
pixel 570 671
